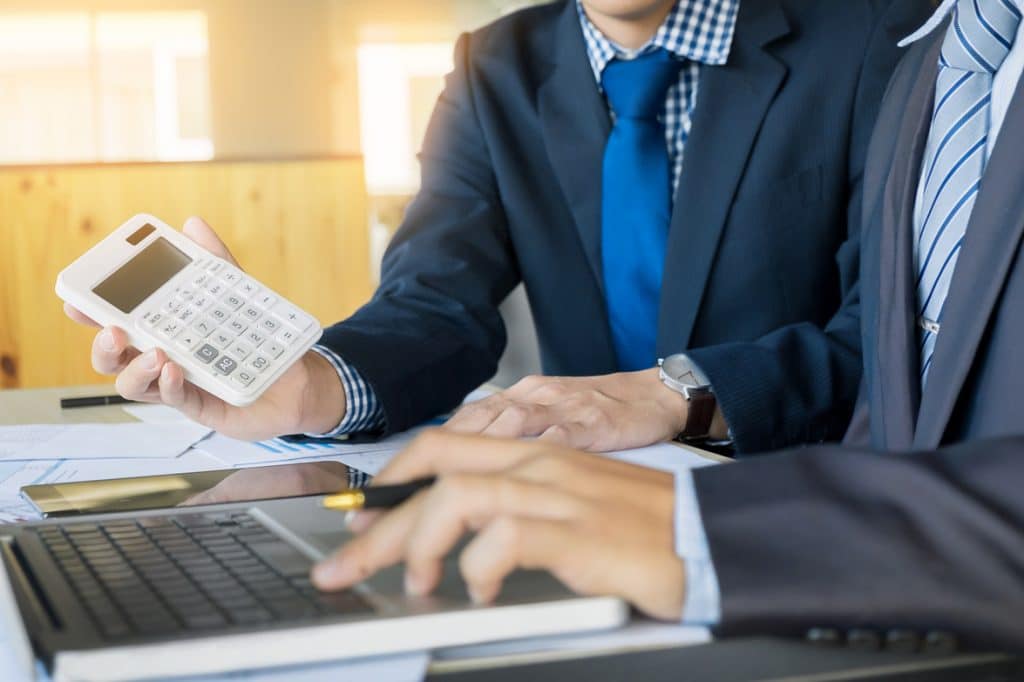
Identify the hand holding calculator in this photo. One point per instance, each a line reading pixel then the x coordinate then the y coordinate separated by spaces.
pixel 231 335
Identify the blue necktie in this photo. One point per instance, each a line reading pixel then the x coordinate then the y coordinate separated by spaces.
pixel 977 42
pixel 636 203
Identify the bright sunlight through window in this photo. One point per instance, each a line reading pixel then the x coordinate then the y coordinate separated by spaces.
pixel 104 86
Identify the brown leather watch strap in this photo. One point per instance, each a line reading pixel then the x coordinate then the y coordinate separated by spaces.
pixel 700 415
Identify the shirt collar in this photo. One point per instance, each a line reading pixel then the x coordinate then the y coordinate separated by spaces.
pixel 936 20
pixel 698 30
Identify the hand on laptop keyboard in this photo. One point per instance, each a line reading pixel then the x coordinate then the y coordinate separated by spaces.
pixel 532 505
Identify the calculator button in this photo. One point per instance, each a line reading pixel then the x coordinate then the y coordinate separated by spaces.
pixel 248 287
pixel 270 325
pixel 230 276
pixel 215 266
pixel 287 337
pixel 215 288
pixel 188 314
pixel 266 300
pixel 236 325
pixel 186 294
pixel 225 365
pixel 154 318
pixel 258 363
pixel 189 340
pixel 202 301
pixel 220 314
pixel 252 312
pixel 207 353
pixel 233 301
pixel 171 328
pixel 255 338
pixel 204 327
pixel 174 307
pixel 293 317
pixel 239 351
pixel 221 339
pixel 273 349
pixel 200 280
pixel 244 378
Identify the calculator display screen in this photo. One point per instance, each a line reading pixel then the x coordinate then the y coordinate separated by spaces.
pixel 137 279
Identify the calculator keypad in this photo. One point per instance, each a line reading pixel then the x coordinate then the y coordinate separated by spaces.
pixel 228 322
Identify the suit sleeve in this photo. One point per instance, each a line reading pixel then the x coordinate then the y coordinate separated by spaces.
pixel 799 383
pixel 833 537
pixel 432 332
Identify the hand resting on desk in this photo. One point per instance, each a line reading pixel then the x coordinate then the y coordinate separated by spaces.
pixel 598 414
pixel 308 398
pixel 600 526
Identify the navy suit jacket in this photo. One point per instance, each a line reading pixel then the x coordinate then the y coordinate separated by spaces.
pixel 763 244
pixel 865 536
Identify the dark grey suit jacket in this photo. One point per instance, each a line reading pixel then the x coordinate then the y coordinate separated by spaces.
pixel 858 537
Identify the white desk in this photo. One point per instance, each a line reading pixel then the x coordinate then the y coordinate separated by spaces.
pixel 42 406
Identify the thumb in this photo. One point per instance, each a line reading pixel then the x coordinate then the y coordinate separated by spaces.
pixel 201 233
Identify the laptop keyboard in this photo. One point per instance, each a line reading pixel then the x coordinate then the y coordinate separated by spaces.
pixel 158 576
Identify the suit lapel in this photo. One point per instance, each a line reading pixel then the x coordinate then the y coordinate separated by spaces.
pixel 898 381
pixel 990 249
pixel 576 125
pixel 732 102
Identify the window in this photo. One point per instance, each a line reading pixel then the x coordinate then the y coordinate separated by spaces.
pixel 104 86
pixel 398 87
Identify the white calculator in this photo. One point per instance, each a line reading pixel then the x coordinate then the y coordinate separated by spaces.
pixel 231 335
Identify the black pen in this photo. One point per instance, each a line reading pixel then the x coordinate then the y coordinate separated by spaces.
pixel 376 497
pixel 93 401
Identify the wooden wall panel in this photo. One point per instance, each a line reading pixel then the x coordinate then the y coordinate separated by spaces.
pixel 300 226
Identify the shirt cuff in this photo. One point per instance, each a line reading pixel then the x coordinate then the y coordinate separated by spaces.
pixel 363 412
pixel 703 596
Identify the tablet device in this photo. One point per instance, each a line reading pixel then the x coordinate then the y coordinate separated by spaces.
pixel 190 489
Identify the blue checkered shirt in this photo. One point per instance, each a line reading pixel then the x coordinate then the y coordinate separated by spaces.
pixel 699 32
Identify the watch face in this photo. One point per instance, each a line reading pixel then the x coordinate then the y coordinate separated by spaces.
pixel 682 369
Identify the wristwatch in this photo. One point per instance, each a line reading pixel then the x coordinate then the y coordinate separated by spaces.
pixel 680 374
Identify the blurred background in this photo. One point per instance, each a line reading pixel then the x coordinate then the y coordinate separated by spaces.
pixel 292 126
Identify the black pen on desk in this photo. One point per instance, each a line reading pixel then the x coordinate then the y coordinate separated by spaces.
pixel 93 401
pixel 375 497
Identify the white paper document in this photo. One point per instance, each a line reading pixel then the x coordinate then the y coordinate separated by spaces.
pixel 367 457
pixel 98 441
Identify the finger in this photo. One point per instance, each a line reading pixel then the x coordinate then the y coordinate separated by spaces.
pixel 136 381
pixel 177 393
pixel 509 543
pixel 438 451
pixel 569 434
pixel 467 502
pixel 653 581
pixel 199 231
pixel 79 317
pixel 435 519
pixel 363 556
pixel 475 417
pixel 520 420
pixel 110 351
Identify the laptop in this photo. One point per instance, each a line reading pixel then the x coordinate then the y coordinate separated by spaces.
pixel 215 589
